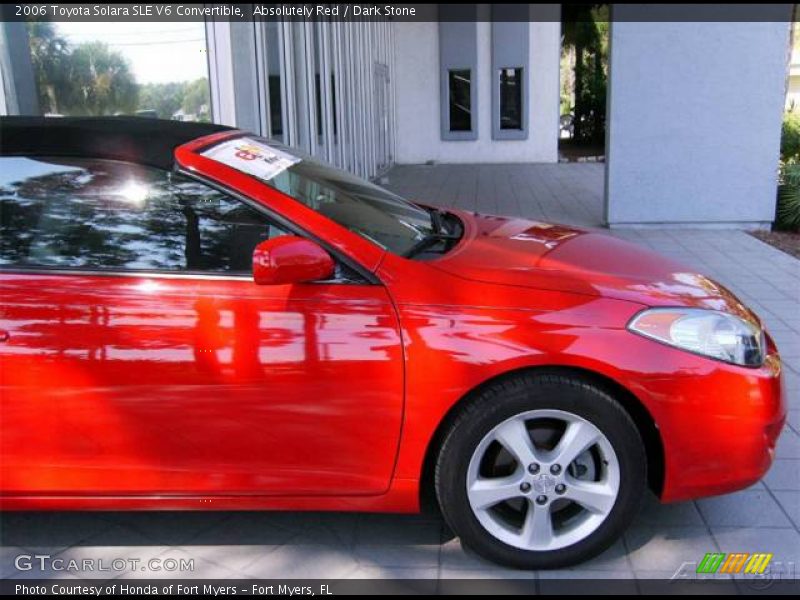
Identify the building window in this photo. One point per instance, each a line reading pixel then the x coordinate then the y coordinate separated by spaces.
pixel 511 98
pixel 511 71
pixel 458 72
pixel 333 105
pixel 460 89
pixel 274 88
pixel 318 89
pixel 275 107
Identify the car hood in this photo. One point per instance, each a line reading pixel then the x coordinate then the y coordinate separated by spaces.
pixel 533 254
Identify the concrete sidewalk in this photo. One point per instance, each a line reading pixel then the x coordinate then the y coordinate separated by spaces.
pixel 764 518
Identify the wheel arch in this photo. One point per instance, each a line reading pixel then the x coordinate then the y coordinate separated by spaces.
pixel 654 447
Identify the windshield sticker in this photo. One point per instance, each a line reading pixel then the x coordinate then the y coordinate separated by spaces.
pixel 252 157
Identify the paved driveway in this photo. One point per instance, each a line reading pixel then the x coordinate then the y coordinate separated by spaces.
pixel 764 518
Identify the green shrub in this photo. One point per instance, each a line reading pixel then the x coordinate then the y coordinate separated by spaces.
pixel 790 138
pixel 787 214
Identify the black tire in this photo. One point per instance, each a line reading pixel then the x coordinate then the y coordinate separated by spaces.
pixel 513 396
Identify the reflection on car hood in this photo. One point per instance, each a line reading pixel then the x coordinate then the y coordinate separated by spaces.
pixel 533 254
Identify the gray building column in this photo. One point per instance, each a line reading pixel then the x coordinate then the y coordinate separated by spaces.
pixel 246 76
pixel 233 74
pixel 694 117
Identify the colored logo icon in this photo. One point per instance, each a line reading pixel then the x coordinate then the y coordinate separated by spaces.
pixel 741 562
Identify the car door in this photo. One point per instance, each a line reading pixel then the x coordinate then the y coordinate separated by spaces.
pixel 139 357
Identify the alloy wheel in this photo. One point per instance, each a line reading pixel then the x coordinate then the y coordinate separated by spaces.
pixel 543 480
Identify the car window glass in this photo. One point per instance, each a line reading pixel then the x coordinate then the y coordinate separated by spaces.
pixel 102 214
pixel 362 207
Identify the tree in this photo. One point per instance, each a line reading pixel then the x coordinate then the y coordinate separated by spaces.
pixel 167 98
pixel 164 98
pixel 93 79
pixel 49 55
pixel 103 81
pixel 196 98
pixel 89 79
pixel 585 32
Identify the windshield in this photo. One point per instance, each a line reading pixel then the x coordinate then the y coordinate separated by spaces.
pixel 366 209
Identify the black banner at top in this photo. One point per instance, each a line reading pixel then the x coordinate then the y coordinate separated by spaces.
pixel 175 12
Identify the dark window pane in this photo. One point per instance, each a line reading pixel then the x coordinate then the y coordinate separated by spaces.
pixel 318 83
pixel 101 214
pixel 275 109
pixel 460 105
pixel 510 98
pixel 318 101
pixel 274 80
pixel 318 90
pixel 333 104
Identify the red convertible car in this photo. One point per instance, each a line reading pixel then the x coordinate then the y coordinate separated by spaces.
pixel 192 317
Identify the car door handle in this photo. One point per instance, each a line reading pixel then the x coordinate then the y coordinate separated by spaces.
pixel 4 335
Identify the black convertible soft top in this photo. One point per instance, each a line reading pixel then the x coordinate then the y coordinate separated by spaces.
pixel 134 139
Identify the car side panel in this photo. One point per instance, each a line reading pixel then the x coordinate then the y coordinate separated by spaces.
pixel 156 385
pixel 461 334
pixel 474 332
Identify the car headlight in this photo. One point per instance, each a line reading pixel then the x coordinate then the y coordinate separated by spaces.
pixel 711 333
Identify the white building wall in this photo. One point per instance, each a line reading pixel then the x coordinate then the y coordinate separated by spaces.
pixel 694 122
pixel 418 138
pixel 353 64
pixel 220 65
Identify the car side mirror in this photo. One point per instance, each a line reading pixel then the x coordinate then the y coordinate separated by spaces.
pixel 290 259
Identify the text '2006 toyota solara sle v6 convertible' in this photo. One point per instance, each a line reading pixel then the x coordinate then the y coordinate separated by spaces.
pixel 193 317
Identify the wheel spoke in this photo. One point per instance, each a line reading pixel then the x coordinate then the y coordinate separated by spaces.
pixel 537 531
pixel 598 498
pixel 514 437
pixel 485 493
pixel 579 436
